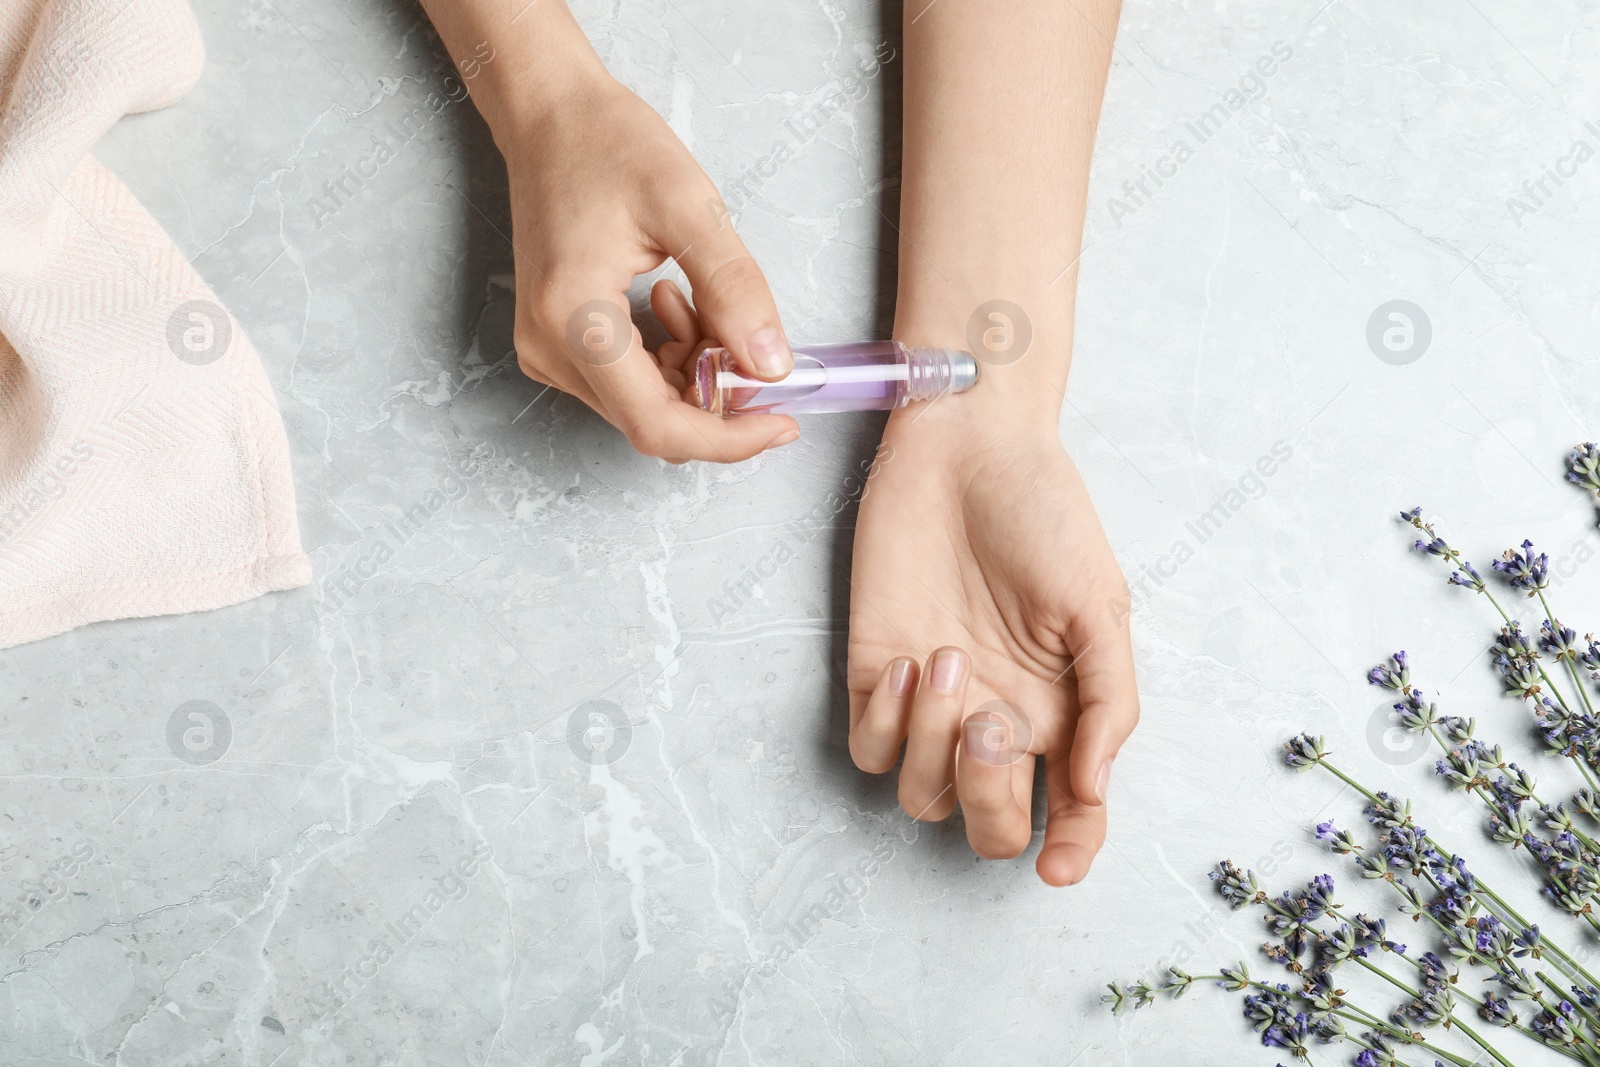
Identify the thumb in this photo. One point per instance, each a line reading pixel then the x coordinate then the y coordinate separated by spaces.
pixel 731 295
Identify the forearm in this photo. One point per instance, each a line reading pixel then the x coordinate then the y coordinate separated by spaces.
pixel 1001 104
pixel 521 59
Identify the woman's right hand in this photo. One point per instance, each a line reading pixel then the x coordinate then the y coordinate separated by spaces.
pixel 602 190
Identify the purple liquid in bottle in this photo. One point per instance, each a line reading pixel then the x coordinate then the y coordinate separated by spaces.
pixel 859 376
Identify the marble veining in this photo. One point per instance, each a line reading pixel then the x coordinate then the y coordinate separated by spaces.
pixel 515 782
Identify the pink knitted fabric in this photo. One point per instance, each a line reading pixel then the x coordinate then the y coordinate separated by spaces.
pixel 143 466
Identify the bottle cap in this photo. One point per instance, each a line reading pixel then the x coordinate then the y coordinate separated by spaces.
pixel 963 372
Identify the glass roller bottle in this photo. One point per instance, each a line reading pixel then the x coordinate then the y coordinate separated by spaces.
pixel 857 376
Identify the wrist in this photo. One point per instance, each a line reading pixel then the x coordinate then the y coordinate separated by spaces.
pixel 527 96
pixel 1020 388
pixel 520 71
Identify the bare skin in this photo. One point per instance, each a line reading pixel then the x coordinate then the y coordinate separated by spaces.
pixel 980 571
pixel 602 190
pixel 979 560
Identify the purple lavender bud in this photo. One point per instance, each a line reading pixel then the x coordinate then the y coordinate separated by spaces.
pixel 1554 1027
pixel 1468 577
pixel 1560 641
pixel 1342 841
pixel 1525 570
pixel 1497 1011
pixel 1388 811
pixel 1586 802
pixel 1303 751
pixel 1416 712
pixel 1391 675
pixel 1583 467
pixel 1238 887
pixel 1590 657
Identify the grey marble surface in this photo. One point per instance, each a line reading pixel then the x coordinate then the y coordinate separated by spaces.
pixel 396 844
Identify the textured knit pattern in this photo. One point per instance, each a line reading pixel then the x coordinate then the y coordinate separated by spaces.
pixel 143 465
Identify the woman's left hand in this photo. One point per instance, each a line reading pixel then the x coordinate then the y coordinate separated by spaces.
pixel 981 575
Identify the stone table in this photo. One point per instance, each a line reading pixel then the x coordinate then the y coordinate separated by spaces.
pixel 514 783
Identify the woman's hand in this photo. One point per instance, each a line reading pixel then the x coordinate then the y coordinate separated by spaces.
pixel 981 574
pixel 602 190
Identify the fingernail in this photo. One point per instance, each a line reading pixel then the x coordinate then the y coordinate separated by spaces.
pixel 768 352
pixel 948 667
pixel 900 677
pixel 1103 782
pixel 783 438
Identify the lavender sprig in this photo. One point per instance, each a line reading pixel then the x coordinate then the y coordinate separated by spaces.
pixel 1457 906
pixel 1518 659
pixel 1313 936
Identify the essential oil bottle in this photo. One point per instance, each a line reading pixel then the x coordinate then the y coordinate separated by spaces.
pixel 858 376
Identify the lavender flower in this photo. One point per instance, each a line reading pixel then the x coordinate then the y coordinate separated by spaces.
pixel 1342 842
pixel 1136 996
pixel 1525 570
pixel 1590 657
pixel 1380 1054
pixel 1518 983
pixel 1387 811
pixel 1586 802
pixel 1497 1011
pixel 1572 873
pixel 1304 751
pixel 1237 887
pixel 1517 660
pixel 1461 767
pixel 1431 542
pixel 1177 982
pixel 1294 1036
pixel 1416 712
pixel 1393 674
pixel 1468 577
pixel 1555 1025
pixel 1583 467
pixel 1371 933
pixel 1436 1004
pixel 1560 641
